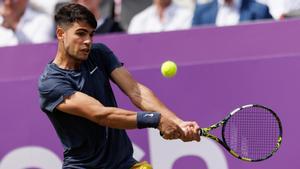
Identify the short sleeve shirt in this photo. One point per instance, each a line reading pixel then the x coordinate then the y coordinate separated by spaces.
pixel 86 144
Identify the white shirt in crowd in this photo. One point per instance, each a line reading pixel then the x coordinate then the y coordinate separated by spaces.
pixel 175 18
pixel 228 14
pixel 45 6
pixel 7 37
pixel 282 7
pixel 186 3
pixel 33 28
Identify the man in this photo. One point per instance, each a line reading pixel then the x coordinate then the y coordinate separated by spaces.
pixel 21 25
pixel 162 15
pixel 104 24
pixel 229 12
pixel 130 8
pixel 281 9
pixel 76 95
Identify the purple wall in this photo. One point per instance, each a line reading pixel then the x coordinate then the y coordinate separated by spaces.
pixel 219 69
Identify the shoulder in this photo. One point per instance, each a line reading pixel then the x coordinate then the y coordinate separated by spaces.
pixel 138 22
pixel 100 49
pixel 143 14
pixel 99 46
pixel 34 16
pixel 205 6
pixel 109 25
pixel 50 78
pixel 203 12
pixel 258 7
pixel 101 54
pixel 181 11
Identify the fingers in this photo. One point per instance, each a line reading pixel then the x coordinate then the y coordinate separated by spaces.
pixel 191 131
pixel 172 128
pixel 196 129
pixel 169 128
pixel 171 134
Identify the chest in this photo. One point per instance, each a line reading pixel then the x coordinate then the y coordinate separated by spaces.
pixel 95 80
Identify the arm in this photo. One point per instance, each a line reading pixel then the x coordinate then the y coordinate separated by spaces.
pixel 145 99
pixel 82 105
pixel 140 95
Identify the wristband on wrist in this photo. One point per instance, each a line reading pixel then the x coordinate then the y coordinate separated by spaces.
pixel 148 119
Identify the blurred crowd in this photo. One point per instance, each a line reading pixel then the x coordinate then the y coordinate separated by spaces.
pixel 31 21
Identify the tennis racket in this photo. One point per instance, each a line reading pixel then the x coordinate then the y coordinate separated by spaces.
pixel 250 133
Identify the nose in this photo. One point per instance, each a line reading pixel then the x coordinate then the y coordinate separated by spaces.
pixel 88 41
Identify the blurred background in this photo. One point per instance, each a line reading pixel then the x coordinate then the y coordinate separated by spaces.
pixel 229 53
pixel 31 21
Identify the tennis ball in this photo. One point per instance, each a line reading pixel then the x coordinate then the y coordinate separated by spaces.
pixel 168 69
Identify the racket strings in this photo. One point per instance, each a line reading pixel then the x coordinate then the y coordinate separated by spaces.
pixel 252 133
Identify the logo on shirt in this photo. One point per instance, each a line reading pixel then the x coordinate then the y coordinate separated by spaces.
pixel 149 115
pixel 91 72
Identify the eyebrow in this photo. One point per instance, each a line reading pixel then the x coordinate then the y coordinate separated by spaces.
pixel 85 30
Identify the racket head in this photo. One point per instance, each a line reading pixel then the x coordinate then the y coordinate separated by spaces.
pixel 252 133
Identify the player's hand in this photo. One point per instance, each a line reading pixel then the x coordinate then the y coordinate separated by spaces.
pixel 191 131
pixel 169 127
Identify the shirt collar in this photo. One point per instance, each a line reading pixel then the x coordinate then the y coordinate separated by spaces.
pixel 168 11
pixel 236 3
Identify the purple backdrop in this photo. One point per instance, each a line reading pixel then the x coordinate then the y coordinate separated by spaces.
pixel 219 69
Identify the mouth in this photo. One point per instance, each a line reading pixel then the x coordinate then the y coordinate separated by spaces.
pixel 87 51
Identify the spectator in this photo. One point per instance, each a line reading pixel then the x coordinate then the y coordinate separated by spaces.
pixel 47 7
pixel 162 15
pixel 23 25
pixel 104 24
pixel 130 8
pixel 283 8
pixel 186 3
pixel 292 8
pixel 229 12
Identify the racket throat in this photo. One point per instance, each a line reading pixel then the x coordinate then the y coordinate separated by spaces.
pixel 204 132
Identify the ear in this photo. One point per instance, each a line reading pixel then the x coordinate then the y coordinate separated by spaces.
pixel 60 32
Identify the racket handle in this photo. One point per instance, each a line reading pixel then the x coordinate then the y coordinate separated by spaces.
pixel 161 134
pixel 200 132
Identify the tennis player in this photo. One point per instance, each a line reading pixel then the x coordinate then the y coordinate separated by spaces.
pixel 76 95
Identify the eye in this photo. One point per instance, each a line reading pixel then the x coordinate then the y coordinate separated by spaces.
pixel 80 33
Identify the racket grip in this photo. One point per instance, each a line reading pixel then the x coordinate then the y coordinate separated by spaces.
pixel 200 132
pixel 161 134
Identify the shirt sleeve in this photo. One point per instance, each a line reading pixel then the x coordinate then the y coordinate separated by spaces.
pixel 108 59
pixel 53 91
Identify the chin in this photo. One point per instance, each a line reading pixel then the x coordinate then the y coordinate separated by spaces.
pixel 83 57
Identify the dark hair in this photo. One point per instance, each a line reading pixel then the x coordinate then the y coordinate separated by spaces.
pixel 72 12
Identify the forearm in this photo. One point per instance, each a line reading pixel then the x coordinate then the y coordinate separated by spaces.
pixel 115 118
pixel 125 119
pixel 146 100
pixel 80 104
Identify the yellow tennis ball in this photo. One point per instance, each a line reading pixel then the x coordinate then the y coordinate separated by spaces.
pixel 168 69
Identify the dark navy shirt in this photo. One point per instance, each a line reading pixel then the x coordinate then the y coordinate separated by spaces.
pixel 87 145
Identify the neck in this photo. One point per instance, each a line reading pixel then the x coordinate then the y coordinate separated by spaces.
pixel 161 7
pixel 229 2
pixel 65 61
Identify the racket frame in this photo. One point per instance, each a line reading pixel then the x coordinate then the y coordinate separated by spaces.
pixel 205 132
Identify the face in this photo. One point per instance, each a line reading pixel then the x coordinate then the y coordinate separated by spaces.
pixel 76 40
pixel 163 2
pixel 18 6
pixel 12 11
pixel 92 5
